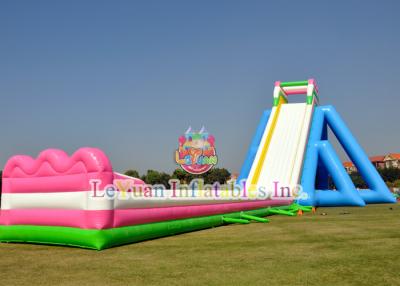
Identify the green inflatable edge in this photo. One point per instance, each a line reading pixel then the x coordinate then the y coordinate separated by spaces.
pixel 106 238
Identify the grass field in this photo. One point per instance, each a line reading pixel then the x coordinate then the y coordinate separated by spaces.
pixel 347 246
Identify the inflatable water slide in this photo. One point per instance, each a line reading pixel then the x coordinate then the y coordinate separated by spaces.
pixel 291 153
pixel 53 199
pixel 276 156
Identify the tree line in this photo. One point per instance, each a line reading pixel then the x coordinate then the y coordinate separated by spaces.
pixel 391 176
pixel 154 177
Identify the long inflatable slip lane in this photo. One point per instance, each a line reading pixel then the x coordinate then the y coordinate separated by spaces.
pixel 105 238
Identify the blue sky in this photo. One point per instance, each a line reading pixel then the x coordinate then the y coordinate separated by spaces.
pixel 129 77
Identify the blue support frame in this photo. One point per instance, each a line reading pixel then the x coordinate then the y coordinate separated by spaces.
pixel 320 152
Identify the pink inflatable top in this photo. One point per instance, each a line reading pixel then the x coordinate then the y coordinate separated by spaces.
pixel 54 171
pixel 55 162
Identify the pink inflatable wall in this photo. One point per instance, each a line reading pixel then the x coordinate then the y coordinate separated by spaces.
pixel 54 190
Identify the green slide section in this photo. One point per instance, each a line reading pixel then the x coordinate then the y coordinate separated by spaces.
pixel 101 239
pixel 294 83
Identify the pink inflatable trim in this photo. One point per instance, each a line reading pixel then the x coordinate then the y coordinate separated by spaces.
pixel 65 183
pixel 118 218
pixel 136 181
pixel 53 184
pixel 54 162
pixel 54 171
pixel 300 90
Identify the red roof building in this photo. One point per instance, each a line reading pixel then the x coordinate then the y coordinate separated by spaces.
pixel 378 161
pixel 349 166
pixel 391 160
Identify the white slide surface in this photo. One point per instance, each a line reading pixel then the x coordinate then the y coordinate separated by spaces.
pixel 284 151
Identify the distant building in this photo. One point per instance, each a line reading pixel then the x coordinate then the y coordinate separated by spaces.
pixel 391 160
pixel 378 161
pixel 349 166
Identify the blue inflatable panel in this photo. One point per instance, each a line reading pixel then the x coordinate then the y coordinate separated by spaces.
pixel 321 160
pixel 379 192
pixel 251 153
pixel 346 194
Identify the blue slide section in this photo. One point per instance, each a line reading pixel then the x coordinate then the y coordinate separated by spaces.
pixel 251 154
pixel 321 159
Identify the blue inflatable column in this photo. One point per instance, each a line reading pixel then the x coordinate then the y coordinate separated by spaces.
pixel 321 159
pixel 379 192
pixel 310 165
pixel 251 153
pixel 346 193
pixel 322 180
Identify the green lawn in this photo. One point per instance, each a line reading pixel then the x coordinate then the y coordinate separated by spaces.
pixel 347 246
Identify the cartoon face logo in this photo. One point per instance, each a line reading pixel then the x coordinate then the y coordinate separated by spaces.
pixel 196 153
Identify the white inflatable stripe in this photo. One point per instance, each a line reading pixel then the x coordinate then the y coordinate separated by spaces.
pixel 298 164
pixel 85 201
pixel 59 200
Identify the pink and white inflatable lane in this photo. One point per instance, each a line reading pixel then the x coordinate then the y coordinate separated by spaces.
pixel 55 190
